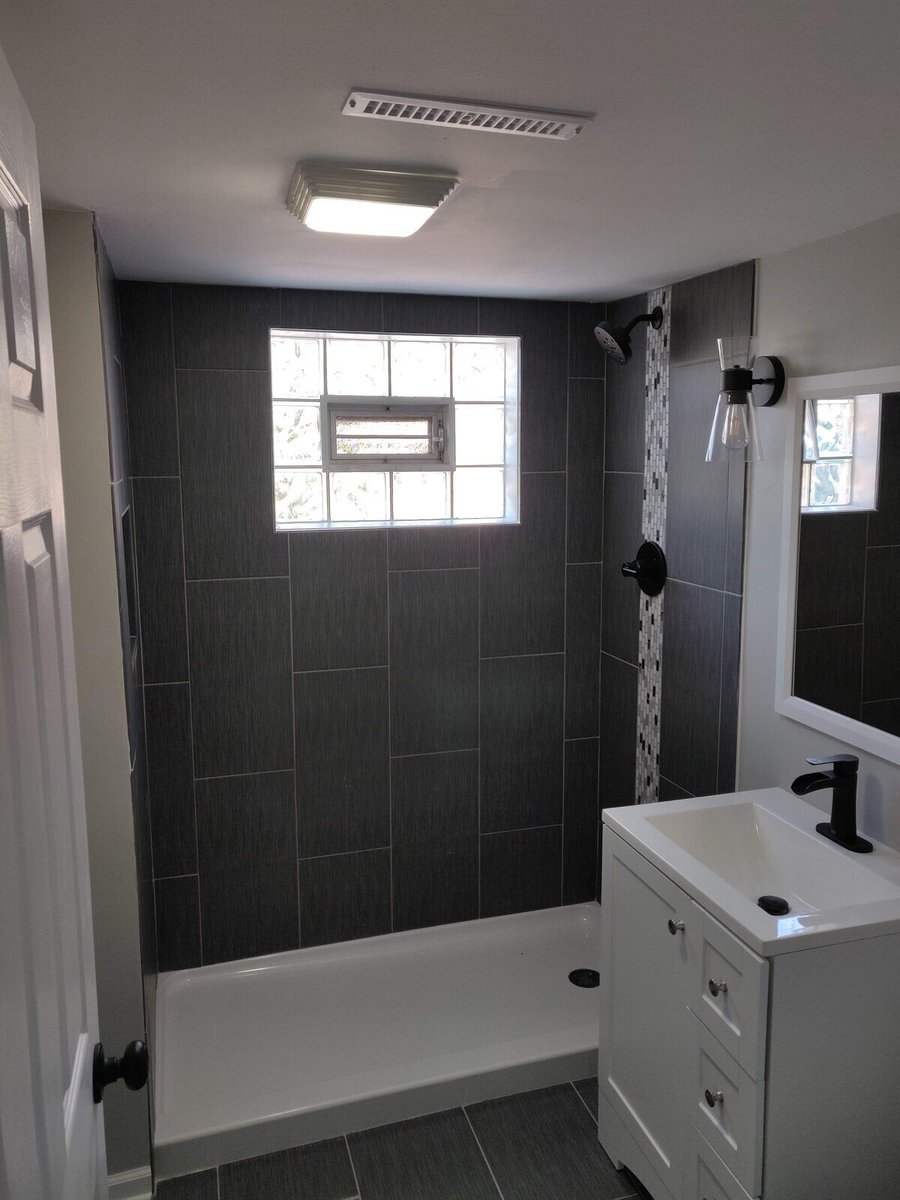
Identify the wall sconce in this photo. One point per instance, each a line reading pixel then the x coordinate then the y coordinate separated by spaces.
pixel 734 429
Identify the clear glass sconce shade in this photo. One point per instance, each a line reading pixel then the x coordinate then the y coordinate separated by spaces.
pixel 736 352
pixel 734 430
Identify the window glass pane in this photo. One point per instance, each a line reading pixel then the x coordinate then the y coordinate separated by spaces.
pixel 479 371
pixel 359 496
pixel 299 496
pixel 829 483
pixel 421 495
pixel 357 368
pixel 834 428
pixel 298 439
pixel 383 426
pixel 478 492
pixel 420 369
pixel 296 367
pixel 384 447
pixel 479 433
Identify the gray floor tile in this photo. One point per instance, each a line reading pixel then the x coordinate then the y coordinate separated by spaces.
pixel 431 1158
pixel 321 1171
pixel 200 1186
pixel 587 1090
pixel 543 1146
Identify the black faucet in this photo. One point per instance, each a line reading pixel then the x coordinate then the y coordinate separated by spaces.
pixel 842 826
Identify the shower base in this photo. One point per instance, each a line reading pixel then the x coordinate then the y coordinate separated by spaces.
pixel 265 1053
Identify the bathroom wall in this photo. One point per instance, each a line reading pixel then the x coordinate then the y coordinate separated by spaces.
pixel 830 306
pixel 703 542
pixel 94 458
pixel 350 733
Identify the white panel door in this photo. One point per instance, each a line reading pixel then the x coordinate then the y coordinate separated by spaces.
pixel 51 1132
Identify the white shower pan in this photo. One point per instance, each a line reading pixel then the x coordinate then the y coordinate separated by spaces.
pixel 266 1053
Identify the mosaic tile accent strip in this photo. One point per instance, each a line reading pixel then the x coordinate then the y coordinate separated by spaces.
pixel 656 449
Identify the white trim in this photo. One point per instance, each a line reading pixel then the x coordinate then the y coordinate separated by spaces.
pixel 854 733
pixel 131 1185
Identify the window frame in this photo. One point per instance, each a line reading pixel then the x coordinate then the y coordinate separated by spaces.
pixel 430 408
pixel 326 403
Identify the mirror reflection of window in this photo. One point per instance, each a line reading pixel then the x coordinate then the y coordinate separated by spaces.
pixel 840 454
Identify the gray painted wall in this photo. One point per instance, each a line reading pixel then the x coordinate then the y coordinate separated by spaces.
pixel 826 307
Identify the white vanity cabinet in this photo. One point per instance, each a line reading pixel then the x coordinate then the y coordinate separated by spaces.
pixel 726 1075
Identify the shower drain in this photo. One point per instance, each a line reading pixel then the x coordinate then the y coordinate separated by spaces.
pixel 584 977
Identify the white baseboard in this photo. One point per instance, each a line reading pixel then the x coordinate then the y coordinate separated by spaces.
pixel 131 1185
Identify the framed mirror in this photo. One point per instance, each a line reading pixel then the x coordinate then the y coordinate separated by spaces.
pixel 839 611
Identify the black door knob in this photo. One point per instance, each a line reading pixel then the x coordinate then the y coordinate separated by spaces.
pixel 132 1067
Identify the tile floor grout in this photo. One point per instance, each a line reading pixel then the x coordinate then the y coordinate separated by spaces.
pixel 483 1155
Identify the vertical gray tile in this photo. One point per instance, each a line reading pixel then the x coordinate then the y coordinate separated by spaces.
pixel 584 500
pixel 430 1158
pixel 625 399
pixel 735 520
pixel 149 363
pixel 542 326
pixel 831 569
pixel 881 662
pixel 520 870
pixel 241 676
pixel 671 791
pixel 156 506
pixel 322 1171
pixel 707 307
pixel 587 1090
pixel 345 896
pixel 883 714
pixel 583 588
pixel 586 359
pixel 353 312
pixel 728 708
pixel 691 686
pixel 697 502
pixel 225 427
pixel 618 731
pixel 443 315
pixel 203 1185
pixel 580 815
pixel 828 667
pixel 339 599
pixel 544 1143
pixel 884 525
pixel 521 741
pixel 434 661
pixel 341 734
pixel 622 535
pixel 523 574
pixel 170 778
pixel 434 822
pixel 247 842
pixel 224 328
pixel 432 549
pixel 177 923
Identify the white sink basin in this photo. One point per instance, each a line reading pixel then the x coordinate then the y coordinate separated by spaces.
pixel 727 851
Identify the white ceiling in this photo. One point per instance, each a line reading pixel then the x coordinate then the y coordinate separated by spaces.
pixel 725 129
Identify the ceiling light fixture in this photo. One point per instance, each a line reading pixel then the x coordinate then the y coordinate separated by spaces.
pixel 367 201
pixel 734 429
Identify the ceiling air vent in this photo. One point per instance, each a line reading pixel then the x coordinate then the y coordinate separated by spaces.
pixel 459 114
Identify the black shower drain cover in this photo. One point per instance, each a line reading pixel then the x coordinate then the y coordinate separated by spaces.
pixel 584 977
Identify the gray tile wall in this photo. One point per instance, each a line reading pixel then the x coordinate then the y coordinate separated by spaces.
pixel 704 540
pixel 355 732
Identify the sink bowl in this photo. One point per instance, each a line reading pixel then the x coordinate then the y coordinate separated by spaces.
pixel 727 851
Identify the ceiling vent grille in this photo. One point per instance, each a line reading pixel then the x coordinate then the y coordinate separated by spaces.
pixel 456 114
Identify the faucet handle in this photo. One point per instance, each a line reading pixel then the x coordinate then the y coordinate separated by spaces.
pixel 844 764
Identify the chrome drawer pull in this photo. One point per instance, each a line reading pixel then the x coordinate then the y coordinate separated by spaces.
pixel 716 987
pixel 675 926
pixel 714 1098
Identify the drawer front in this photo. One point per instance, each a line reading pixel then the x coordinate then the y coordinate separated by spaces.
pixel 706 1176
pixel 729 990
pixel 727 1108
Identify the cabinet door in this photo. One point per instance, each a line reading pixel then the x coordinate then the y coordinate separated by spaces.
pixel 644 1033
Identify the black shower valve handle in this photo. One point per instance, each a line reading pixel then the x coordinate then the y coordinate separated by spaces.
pixel 648 568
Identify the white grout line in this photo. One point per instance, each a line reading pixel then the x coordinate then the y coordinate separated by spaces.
pixel 294 787
pixel 483 1155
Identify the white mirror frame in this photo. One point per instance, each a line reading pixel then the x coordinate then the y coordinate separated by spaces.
pixel 811 387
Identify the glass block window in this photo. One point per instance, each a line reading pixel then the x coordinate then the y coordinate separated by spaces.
pixel 394 429
pixel 840 454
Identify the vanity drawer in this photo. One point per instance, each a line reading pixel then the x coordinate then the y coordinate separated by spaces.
pixel 706 1176
pixel 727 1108
pixel 729 991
